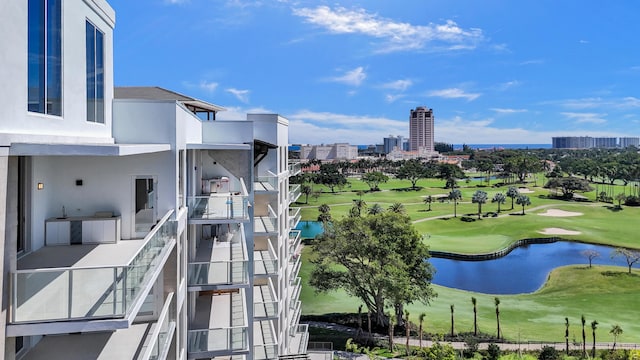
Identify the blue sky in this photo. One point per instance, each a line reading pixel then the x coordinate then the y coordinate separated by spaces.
pixel 350 71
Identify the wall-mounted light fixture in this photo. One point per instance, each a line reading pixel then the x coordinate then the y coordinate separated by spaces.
pixel 40 186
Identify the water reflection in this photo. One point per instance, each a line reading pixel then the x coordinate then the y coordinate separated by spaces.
pixel 523 270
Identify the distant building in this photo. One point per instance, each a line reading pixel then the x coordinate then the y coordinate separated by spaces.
pixel 421 129
pixel 629 141
pixel 605 142
pixel 340 151
pixel 393 142
pixel 572 142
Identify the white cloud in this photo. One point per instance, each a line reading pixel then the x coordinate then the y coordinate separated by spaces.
pixel 393 97
pixel 242 95
pixel 400 85
pixel 353 77
pixel 176 1
pixel 208 86
pixel 240 114
pixel 395 36
pixel 532 62
pixel 586 118
pixel 453 93
pixel 508 85
pixel 508 111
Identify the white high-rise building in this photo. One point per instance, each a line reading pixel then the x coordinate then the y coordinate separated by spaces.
pixel 132 228
pixel 421 135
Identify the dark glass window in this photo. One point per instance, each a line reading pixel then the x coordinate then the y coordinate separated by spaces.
pixel 95 74
pixel 45 56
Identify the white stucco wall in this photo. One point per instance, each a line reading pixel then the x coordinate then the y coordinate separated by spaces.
pixel 16 123
pixel 108 185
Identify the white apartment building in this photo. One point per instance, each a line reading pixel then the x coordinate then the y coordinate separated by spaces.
pixel 421 133
pixel 338 151
pixel 132 228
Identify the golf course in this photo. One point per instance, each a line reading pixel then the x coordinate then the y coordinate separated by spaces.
pixel 605 293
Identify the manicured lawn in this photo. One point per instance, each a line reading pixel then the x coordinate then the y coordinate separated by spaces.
pixel 605 294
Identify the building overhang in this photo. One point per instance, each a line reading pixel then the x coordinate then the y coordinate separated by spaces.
pixel 36 149
pixel 219 146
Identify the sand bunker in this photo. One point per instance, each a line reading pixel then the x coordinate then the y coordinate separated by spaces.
pixel 558 231
pixel 525 191
pixel 559 213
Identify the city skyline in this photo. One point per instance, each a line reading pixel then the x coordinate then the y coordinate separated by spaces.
pixel 496 72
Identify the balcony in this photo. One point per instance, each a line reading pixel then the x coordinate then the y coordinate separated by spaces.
pixel 220 207
pixel 265 261
pixel 296 308
pixel 220 264
pixel 141 341
pixel 266 224
pixel 300 339
pixel 266 184
pixel 294 217
pixel 265 306
pixel 295 168
pixel 219 325
pixel 295 239
pixel 265 340
pixel 294 266
pixel 294 192
pixel 88 286
pixel 296 286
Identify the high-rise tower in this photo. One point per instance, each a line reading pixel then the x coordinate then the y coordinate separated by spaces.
pixel 421 129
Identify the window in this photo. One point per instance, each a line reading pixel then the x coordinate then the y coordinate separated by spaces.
pixel 95 74
pixel 45 57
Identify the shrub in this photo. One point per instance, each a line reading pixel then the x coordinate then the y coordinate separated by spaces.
pixel 467 219
pixel 470 347
pixel 615 355
pixel 493 352
pixel 549 353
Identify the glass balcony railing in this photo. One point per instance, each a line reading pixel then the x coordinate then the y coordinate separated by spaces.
pixel 222 272
pixel 221 341
pixel 88 293
pixel 295 168
pixel 266 183
pixel 295 239
pixel 265 224
pixel 265 261
pixel 219 207
pixel 160 338
pixel 303 331
pixel 296 310
pixel 294 217
pixel 265 310
pixel 296 286
pixel 295 190
pixel 265 352
pixel 294 266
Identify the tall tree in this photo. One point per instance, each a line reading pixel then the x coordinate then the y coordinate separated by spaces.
pixel 455 195
pixel 513 193
pixel 359 205
pixel 568 186
pixel 499 198
pixel 523 200
pixel 374 178
pixel 324 214
pixel 380 259
pixel 397 207
pixel 330 176
pixel 594 326
pixel 407 327
pixel 475 316
pixel 616 331
pixel 306 190
pixel 412 170
pixel 630 256
pixel 584 337
pixel 452 321
pixel 375 209
pixel 392 320
pixel 479 197
pixel 421 328
pixel 566 334
pixel 497 302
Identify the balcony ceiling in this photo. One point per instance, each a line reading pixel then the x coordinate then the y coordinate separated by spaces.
pixel 34 149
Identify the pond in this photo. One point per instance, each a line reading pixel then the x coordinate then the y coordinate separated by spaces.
pixel 523 270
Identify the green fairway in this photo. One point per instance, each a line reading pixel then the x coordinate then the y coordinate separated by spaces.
pixel 605 294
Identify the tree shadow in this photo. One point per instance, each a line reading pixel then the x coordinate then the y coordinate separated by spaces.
pixel 614 208
pixel 417 188
pixel 619 274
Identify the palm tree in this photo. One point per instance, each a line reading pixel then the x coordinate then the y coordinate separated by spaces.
pixel 420 328
pixel 584 338
pixel 499 198
pixel 358 205
pixel 524 201
pixel 397 208
pixel 479 197
pixel 621 197
pixel 594 326
pixel 475 316
pixel 566 333
pixel 392 319
pixel 306 190
pixel 375 209
pixel 455 195
pixel 452 332
pixel 512 192
pixel 616 331
pixel 497 302
pixel 428 200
